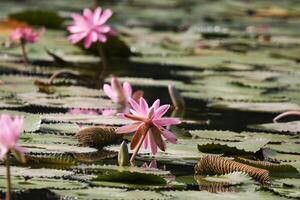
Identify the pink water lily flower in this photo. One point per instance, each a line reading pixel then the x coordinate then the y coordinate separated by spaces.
pixel 91 26
pixel 10 130
pixel 119 94
pixel 148 126
pixel 26 35
pixel 288 113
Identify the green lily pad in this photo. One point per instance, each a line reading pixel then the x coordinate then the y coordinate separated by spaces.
pixel 233 148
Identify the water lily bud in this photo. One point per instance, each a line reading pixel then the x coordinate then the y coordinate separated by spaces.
pixel 123 156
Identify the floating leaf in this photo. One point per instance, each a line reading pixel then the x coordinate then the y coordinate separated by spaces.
pixel 275 169
pixel 233 148
pixel 292 128
pixel 45 18
pixel 211 165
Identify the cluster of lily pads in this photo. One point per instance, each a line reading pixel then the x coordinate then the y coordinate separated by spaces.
pixel 199 96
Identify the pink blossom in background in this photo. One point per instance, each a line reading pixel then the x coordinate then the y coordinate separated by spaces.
pixel 148 125
pixel 91 26
pixel 288 113
pixel 119 94
pixel 10 131
pixel 26 35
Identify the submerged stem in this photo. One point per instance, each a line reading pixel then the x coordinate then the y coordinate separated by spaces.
pixel 104 63
pixel 24 54
pixel 8 181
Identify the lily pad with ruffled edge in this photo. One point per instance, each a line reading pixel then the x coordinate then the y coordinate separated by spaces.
pixel 84 119
pixel 59 128
pixel 292 148
pixel 288 187
pixel 235 178
pixel 129 177
pixel 262 107
pixel 216 87
pixel 110 194
pixel 55 148
pixel 235 136
pixel 46 138
pixel 291 128
pixel 246 147
pixel 19 183
pixel 257 195
pixel 41 172
pixel 31 121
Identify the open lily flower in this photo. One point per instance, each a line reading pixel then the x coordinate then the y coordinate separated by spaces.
pixel 26 35
pixel 10 130
pixel 91 26
pixel 288 113
pixel 148 126
pixel 119 94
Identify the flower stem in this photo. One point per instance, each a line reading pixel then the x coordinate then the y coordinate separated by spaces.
pixel 24 54
pixel 104 63
pixel 137 148
pixel 8 181
pixel 95 3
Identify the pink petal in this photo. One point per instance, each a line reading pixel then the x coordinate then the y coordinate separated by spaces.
pixel 134 105
pixel 76 37
pixel 146 142
pixel 102 38
pixel 109 92
pixel 103 29
pixel 143 106
pixel 88 41
pixel 161 111
pixel 21 149
pixel 166 121
pixel 137 95
pixel 171 137
pixel 3 152
pixel 156 104
pixel 106 14
pixel 127 89
pixel 156 133
pixel 97 15
pixel 128 128
pixel 138 136
pixel 88 14
pixel 152 144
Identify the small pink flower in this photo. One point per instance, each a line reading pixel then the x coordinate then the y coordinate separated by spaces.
pixel 119 94
pixel 10 130
pixel 25 35
pixel 91 26
pixel 148 125
pixel 288 113
pixel 78 111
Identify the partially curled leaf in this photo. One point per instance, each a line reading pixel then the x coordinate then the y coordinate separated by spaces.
pixel 212 165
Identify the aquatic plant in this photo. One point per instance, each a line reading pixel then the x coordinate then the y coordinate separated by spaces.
pixel 25 35
pixel 10 130
pixel 119 94
pixel 148 126
pixel 91 26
